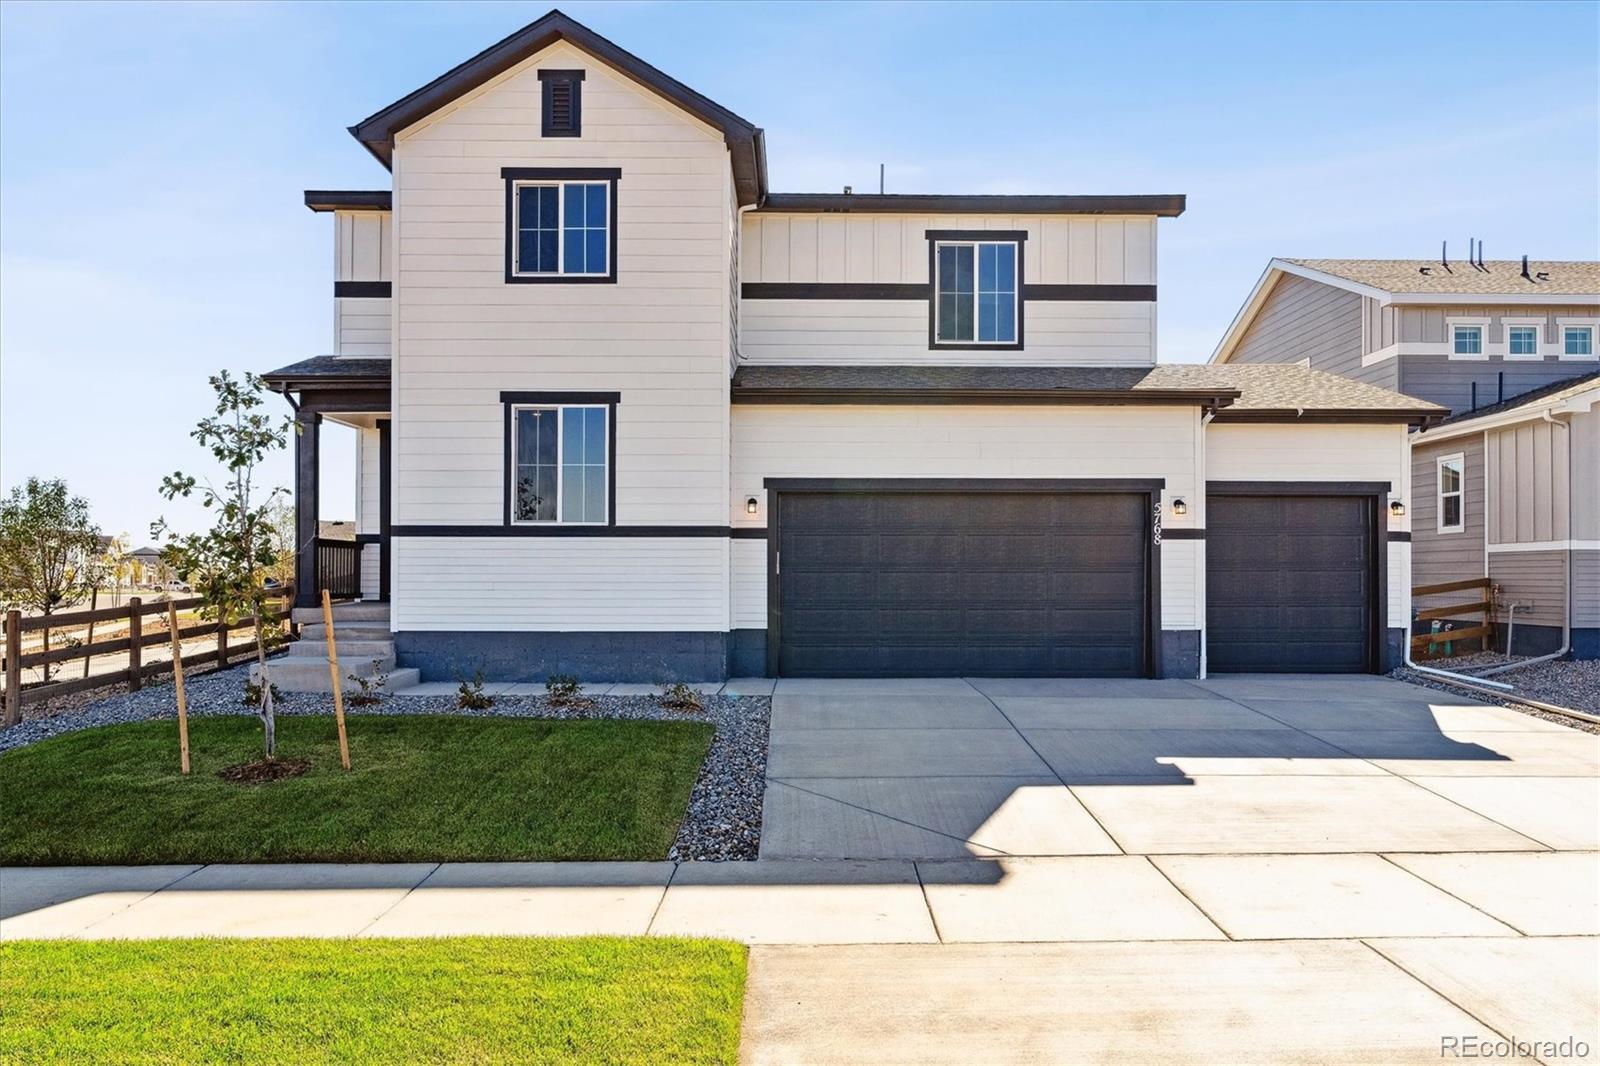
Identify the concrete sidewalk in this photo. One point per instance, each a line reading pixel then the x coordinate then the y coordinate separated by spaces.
pixel 1007 900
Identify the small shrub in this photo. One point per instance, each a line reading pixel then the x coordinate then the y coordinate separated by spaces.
pixel 252 693
pixel 370 688
pixel 564 690
pixel 471 697
pixel 677 696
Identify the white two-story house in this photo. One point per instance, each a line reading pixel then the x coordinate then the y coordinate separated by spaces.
pixel 628 414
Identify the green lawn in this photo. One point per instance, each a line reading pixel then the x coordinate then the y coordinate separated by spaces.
pixel 452 1000
pixel 430 788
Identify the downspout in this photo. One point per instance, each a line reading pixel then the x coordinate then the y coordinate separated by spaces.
pixel 1205 593
pixel 1434 671
pixel 1566 613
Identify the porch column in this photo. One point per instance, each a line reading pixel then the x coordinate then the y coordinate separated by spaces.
pixel 308 426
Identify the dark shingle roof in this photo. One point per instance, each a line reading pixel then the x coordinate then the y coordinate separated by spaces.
pixel 1524 399
pixel 328 370
pixel 1263 392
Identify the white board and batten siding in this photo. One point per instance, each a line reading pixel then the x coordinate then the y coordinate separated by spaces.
pixel 1302 454
pixel 659 336
pixel 893 249
pixel 369 516
pixel 863 441
pixel 363 248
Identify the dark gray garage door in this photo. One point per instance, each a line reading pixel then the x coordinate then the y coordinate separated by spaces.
pixel 1289 583
pixel 931 584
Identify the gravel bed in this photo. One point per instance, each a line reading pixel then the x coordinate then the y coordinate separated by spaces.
pixel 1565 683
pixel 723 821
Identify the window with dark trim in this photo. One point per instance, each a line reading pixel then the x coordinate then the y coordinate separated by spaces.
pixel 975 296
pixel 562 104
pixel 561 224
pixel 560 458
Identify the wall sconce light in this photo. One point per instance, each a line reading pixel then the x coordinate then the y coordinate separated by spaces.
pixel 1179 506
pixel 1397 509
pixel 752 506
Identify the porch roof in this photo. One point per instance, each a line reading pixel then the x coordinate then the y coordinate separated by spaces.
pixel 329 372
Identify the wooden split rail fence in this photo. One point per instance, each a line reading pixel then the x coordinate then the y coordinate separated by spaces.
pixel 133 643
pixel 1483 605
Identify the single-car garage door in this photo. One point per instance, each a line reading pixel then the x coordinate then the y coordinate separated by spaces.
pixel 1289 583
pixel 908 583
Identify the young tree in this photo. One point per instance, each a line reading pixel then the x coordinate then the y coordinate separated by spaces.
pixel 228 564
pixel 118 565
pixel 47 546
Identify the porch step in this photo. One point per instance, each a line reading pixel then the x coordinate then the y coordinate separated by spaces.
pixel 345 612
pixel 350 651
pixel 354 631
pixel 308 673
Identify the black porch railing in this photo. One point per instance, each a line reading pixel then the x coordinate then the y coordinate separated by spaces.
pixel 339 568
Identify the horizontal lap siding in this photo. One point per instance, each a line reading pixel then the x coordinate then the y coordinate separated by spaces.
pixel 1536 580
pixel 976 442
pixel 1586 588
pixel 893 249
pixel 1305 319
pixel 659 336
pixel 362 326
pixel 582 584
pixel 1298 455
pixel 1439 379
pixel 1439 557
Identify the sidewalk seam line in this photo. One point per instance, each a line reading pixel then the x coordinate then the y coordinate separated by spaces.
pixel 881 814
pixel 1151 859
pixel 672 876
pixel 147 895
pixel 916 868
pixel 1368 945
pixel 1466 902
pixel 403 897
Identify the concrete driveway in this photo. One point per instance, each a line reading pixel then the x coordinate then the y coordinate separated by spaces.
pixel 1243 765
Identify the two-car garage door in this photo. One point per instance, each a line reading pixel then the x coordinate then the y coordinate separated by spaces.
pixel 900 581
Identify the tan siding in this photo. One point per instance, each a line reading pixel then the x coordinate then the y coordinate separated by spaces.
pixel 975 442
pixel 1426 324
pixel 1527 474
pixel 1586 589
pixel 660 337
pixel 893 249
pixel 1537 580
pixel 1586 475
pixel 1438 557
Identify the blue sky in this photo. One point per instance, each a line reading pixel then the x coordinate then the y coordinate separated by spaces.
pixel 152 159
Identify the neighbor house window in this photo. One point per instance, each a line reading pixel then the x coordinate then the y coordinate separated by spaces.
pixel 1577 341
pixel 560 464
pixel 1468 340
pixel 1451 473
pixel 1522 340
pixel 561 224
pixel 976 298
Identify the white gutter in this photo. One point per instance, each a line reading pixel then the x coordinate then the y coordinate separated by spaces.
pixel 1566 613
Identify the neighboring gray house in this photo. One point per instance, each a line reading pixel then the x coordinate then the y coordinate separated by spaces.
pixel 626 413
pixel 1511 348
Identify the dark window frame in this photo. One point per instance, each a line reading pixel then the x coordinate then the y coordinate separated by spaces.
pixel 935 237
pixel 549 79
pixel 515 176
pixel 509 402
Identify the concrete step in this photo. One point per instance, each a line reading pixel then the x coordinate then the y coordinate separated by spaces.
pixel 306 673
pixel 345 612
pixel 350 651
pixel 346 632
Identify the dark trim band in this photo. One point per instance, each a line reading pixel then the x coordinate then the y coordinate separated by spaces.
pixel 963 484
pixel 362 200
pixel 918 290
pixel 369 538
pixel 1330 416
pixel 561 173
pixel 1182 533
pixel 976 234
pixel 561 397
pixel 363 289
pixel 563 531
pixel 748 532
pixel 1399 536
pixel 1296 488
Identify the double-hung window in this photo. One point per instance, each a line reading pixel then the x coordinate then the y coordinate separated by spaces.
pixel 1522 341
pixel 560 224
pixel 1467 340
pixel 1451 475
pixel 1577 342
pixel 977 289
pixel 560 464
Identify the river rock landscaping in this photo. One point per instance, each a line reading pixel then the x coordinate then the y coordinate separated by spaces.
pixel 723 816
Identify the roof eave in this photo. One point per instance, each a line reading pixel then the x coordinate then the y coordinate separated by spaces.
pixel 1160 205
pixel 322 200
pixel 1292 415
pixel 1210 398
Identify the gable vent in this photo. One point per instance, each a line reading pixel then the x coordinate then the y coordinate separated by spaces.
pixel 563 102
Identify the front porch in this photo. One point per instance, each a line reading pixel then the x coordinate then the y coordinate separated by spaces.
pixel 353 393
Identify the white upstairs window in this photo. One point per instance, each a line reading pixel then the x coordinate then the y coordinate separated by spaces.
pixel 1452 497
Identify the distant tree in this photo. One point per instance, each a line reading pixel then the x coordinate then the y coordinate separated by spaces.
pixel 280 525
pixel 118 565
pixel 47 548
pixel 228 564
